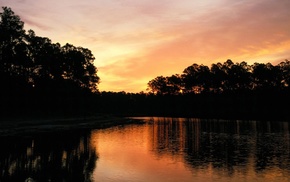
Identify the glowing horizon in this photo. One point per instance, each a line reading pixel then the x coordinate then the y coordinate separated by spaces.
pixel 136 41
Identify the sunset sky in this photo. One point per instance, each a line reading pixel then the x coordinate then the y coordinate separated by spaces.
pixel 135 41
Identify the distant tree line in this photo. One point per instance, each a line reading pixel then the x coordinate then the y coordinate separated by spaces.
pixel 42 78
pixel 226 77
pixel 224 90
pixel 229 91
pixel 35 70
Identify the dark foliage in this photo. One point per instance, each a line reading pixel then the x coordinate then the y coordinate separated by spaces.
pixel 260 105
pixel 228 90
pixel 40 76
pixel 224 78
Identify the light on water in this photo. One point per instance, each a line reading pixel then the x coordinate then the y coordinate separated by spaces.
pixel 162 149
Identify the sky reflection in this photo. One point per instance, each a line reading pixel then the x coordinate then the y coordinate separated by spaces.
pixel 186 150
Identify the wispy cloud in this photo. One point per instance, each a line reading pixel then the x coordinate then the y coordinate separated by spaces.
pixel 135 41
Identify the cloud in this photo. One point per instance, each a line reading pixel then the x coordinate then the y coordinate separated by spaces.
pixel 135 41
pixel 36 24
pixel 252 34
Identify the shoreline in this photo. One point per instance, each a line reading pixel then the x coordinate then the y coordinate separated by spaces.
pixel 32 125
pixel 13 127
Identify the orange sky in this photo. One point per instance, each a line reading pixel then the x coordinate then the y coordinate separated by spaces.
pixel 136 41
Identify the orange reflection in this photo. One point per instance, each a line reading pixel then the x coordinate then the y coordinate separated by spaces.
pixel 167 149
pixel 127 154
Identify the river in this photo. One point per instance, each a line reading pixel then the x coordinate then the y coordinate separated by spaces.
pixel 162 149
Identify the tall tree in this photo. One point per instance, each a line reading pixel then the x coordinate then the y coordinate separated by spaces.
pixel 36 61
pixel 239 77
pixel 218 78
pixel 196 78
pixel 79 67
pixel 38 74
pixel 14 59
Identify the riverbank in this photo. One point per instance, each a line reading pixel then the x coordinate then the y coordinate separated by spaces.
pixel 26 126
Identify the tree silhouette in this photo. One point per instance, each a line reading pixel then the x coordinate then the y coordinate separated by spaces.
pixel 284 68
pixel 266 76
pixel 225 90
pixel 13 47
pixel 78 66
pixel 238 76
pixel 218 78
pixel 226 77
pixel 34 71
pixel 158 85
pixel 196 78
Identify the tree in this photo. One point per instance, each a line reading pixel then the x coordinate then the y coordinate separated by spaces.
pixel 158 85
pixel 79 67
pixel 218 78
pixel 239 76
pixel 11 27
pixel 36 72
pixel 196 78
pixel 166 85
pixel 14 58
pixel 284 68
pixel 37 62
pixel 174 84
pixel 46 58
pixel 266 76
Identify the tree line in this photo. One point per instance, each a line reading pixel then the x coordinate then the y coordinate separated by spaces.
pixel 226 77
pixel 35 71
pixel 42 78
pixel 31 61
pixel 224 90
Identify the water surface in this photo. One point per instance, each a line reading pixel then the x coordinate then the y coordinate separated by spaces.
pixel 163 149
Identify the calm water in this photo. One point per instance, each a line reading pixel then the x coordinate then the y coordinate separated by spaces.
pixel 163 149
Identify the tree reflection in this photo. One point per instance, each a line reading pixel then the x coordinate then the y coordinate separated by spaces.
pixel 47 157
pixel 228 146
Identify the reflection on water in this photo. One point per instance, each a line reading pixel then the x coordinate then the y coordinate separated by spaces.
pixel 47 157
pixel 163 149
pixel 228 149
pixel 167 149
